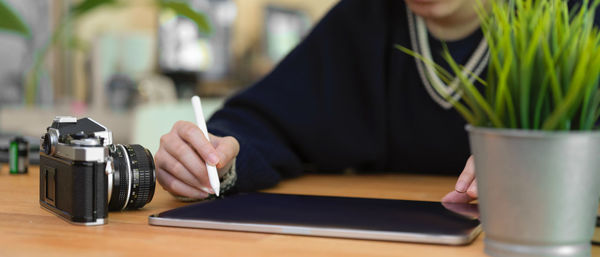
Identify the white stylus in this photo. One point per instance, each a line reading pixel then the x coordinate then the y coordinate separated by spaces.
pixel 213 176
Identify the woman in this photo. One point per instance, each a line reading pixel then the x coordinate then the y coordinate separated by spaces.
pixel 345 98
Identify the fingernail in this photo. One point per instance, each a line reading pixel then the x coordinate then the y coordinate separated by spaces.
pixel 213 159
pixel 461 186
pixel 201 195
pixel 208 190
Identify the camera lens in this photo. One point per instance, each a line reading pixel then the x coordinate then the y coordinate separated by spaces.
pixel 133 179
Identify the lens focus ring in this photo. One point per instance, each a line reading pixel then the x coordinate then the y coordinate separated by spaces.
pixel 144 176
pixel 134 177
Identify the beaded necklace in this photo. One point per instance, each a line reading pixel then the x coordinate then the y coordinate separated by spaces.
pixel 436 88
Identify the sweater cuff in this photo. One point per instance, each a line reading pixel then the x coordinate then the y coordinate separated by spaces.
pixel 252 171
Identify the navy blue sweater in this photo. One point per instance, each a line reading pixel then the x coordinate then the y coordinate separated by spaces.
pixel 346 98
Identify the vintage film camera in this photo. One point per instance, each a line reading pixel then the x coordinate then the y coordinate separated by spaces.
pixel 83 175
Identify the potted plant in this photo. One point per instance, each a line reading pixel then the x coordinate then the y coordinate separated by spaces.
pixel 532 126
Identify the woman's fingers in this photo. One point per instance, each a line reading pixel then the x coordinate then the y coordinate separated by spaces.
pixel 472 191
pixel 182 156
pixel 465 189
pixel 227 148
pixel 456 197
pixel 466 176
pixel 177 187
pixel 169 164
pixel 186 156
pixel 192 134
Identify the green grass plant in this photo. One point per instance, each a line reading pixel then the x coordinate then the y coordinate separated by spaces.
pixel 543 71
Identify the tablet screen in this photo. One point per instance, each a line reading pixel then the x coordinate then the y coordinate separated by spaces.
pixel 349 214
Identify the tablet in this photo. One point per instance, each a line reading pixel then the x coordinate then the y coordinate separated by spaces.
pixel 344 217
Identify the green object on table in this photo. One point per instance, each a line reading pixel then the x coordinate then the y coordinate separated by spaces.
pixel 18 152
pixel 13 155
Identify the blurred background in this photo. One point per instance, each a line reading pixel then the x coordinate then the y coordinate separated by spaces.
pixel 133 65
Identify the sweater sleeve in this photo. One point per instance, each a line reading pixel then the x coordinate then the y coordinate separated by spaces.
pixel 298 114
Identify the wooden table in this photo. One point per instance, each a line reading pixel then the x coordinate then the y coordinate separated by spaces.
pixel 28 230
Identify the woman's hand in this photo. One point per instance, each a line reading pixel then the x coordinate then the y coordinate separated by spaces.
pixel 181 157
pixel 466 186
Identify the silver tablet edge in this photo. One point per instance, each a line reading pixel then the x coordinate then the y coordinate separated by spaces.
pixel 315 231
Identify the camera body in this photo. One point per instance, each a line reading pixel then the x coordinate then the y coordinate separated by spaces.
pixel 83 174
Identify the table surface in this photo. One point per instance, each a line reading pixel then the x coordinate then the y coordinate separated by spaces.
pixel 28 230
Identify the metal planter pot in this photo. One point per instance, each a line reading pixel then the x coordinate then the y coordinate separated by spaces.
pixel 538 191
